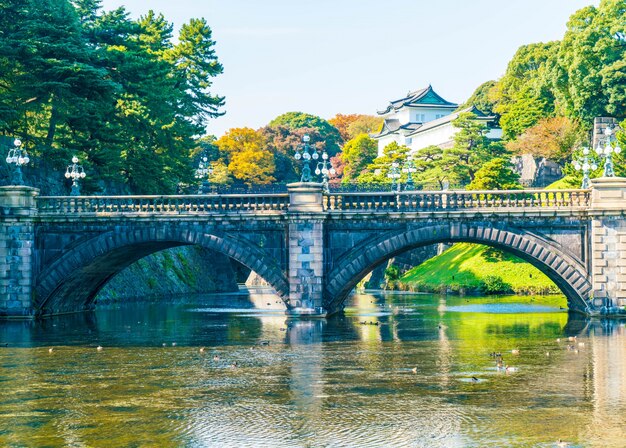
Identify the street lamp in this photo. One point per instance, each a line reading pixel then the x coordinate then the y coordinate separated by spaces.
pixel 18 157
pixel 586 165
pixel 394 175
pixel 608 150
pixel 202 172
pixel 306 152
pixel 323 169
pixel 75 172
pixel 409 169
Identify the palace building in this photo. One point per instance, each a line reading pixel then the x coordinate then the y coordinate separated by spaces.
pixel 423 118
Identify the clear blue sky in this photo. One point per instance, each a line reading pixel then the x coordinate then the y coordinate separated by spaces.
pixel 353 56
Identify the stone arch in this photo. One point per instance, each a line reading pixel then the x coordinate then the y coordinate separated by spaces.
pixel 84 269
pixel 569 274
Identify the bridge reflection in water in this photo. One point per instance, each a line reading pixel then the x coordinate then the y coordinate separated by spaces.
pixel 346 380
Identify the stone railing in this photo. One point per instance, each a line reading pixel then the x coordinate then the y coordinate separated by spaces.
pixel 415 201
pixel 162 205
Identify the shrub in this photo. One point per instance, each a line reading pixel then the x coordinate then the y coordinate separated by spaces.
pixel 392 273
pixel 493 284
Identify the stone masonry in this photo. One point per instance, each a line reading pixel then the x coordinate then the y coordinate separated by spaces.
pixel 310 247
pixel 609 243
pixel 17 238
pixel 306 250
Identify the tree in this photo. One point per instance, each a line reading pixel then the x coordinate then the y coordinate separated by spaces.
pixel 484 98
pixel 358 153
pixel 495 175
pixel 220 174
pixel 365 124
pixel 553 138
pixel 377 171
pixel 339 165
pixel 471 148
pixel 341 122
pixel 249 161
pixel 114 91
pixel 591 72
pixel 432 170
pixel 352 125
pixel 329 137
pixel 252 166
pixel 524 94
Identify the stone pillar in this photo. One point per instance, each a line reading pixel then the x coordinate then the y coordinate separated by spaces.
pixel 306 250
pixel 608 244
pixel 17 244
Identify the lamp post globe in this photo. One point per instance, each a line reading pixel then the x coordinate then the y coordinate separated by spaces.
pixel 585 165
pixel 394 175
pixel 75 172
pixel 306 152
pixel 203 172
pixel 608 150
pixel 18 157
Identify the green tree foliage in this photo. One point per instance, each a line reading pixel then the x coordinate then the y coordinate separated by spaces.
pixel 580 77
pixel 377 171
pixel 433 172
pixel 524 94
pixel 329 137
pixel 496 174
pixel 484 98
pixel 591 72
pixel 248 159
pixel 471 148
pixel 117 92
pixel 357 154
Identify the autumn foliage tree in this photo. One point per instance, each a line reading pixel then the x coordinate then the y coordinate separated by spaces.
pixel 553 138
pixel 352 125
pixel 249 161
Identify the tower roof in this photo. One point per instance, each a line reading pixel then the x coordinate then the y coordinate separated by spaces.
pixel 424 97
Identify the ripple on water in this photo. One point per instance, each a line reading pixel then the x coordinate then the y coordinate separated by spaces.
pixel 502 308
pixel 347 386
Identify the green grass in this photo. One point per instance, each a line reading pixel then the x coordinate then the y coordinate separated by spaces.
pixel 469 267
pixel 565 183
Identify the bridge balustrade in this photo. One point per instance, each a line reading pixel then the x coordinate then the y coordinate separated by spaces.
pixel 415 201
pixel 162 205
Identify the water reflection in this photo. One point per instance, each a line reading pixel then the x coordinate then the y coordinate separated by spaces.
pixel 395 369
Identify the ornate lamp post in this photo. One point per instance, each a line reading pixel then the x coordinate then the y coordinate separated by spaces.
pixel 306 152
pixel 607 151
pixel 202 172
pixel 409 169
pixel 586 165
pixel 75 172
pixel 18 157
pixel 323 169
pixel 394 175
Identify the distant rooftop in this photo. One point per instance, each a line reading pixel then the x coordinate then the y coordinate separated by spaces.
pixel 423 97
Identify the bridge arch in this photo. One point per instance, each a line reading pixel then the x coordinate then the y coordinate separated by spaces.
pixel 85 268
pixel 563 269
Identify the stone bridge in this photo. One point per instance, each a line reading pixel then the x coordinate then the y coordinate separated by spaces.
pixel 56 253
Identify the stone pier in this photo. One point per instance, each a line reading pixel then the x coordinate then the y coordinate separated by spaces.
pixel 608 244
pixel 306 250
pixel 17 241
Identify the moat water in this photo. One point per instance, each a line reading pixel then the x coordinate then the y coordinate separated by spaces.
pixel 395 370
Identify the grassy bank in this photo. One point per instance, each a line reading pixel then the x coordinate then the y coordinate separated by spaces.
pixel 472 268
